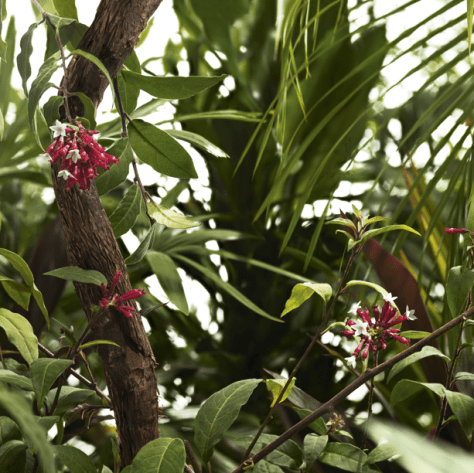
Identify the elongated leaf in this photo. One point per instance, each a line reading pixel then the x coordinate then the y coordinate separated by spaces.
pixel 226 287
pixel 124 216
pixel 145 32
pixel 288 454
pixel 457 289
pixel 407 388
pixel 20 333
pixel 97 342
pixel 171 88
pixel 470 6
pixel 463 408
pixel 302 292
pixel 23 59
pixel 13 456
pixel 319 426
pixel 379 231
pixel 89 109
pixel 341 221
pixel 347 457
pixel 2 125
pixel 69 398
pixel 163 455
pixel 17 291
pixel 74 273
pixel 218 115
pixel 165 270
pixel 425 352
pixel 74 459
pixel 313 447
pixel 44 372
pixel 129 94
pixel 11 377
pixel 117 174
pixel 382 452
pixel 198 141
pixel 218 413
pixel 169 217
pixel 163 153
pixel 51 109
pixel 414 335
pixel 144 246
pixel 275 386
pixel 464 376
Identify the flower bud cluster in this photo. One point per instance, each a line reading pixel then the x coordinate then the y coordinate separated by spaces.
pixel 80 154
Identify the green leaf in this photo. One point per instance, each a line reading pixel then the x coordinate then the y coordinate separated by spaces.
pixel 118 173
pixel 264 467
pixel 275 386
pixel 8 376
pixel 13 456
pixel 169 217
pixel 414 335
pixel 2 124
pixel 163 455
pixel 165 270
pixel 157 149
pixel 382 452
pixel 407 388
pixel 388 228
pixel 423 353
pixel 17 291
pixel 226 287
pixel 69 398
pixel 98 342
pixel 303 291
pixel 463 408
pixel 144 246
pixel 378 288
pixel 145 32
pixel 8 430
pixel 218 115
pixel 51 109
pixel 218 413
pixel 171 88
pixel 20 333
pixel 198 141
pixel 75 460
pixel 313 447
pixel 38 87
pixel 66 8
pixel 287 455
pixel 44 372
pixel 47 423
pixel 457 288
pixel 470 6
pixel 124 216
pixel 347 457
pixel 464 376
pixel 23 59
pixel 89 109
pixel 319 426
pixel 129 94
pixel 74 273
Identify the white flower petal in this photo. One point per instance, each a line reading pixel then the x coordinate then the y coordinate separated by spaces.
pixel 354 308
pixel 389 298
pixel 360 328
pixel 352 361
pixel 65 174
pixel 410 314
pixel 59 129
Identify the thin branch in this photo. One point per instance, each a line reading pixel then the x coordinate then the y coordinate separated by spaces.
pixel 191 456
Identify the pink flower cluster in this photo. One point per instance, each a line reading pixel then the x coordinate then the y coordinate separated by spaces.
pixel 375 334
pixel 80 153
pixel 116 300
pixel 452 231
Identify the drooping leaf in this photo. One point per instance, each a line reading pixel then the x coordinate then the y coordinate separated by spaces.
pixel 23 59
pixel 313 447
pixel 11 377
pixel 124 216
pixel 171 88
pixel 407 388
pixel 458 285
pixel 20 333
pixel 302 292
pixel 51 109
pixel 198 141
pixel 74 459
pixel 89 109
pixel 463 408
pixel 97 342
pixel 218 413
pixel 163 455
pixel 44 372
pixel 142 249
pixel 388 228
pixel 74 273
pixel 165 270
pixel 169 217
pixel 464 376
pixel 163 153
pixel 129 94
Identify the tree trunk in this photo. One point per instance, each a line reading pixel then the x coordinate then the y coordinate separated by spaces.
pixel 91 244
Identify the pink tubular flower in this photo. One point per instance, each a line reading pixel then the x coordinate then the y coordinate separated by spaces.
pixel 374 334
pixel 80 154
pixel 456 230
pixel 116 300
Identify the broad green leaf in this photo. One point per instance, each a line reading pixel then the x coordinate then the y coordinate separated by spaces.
pixel 171 88
pixel 17 291
pixel 287 455
pixel 44 372
pixel 118 173
pixel 169 217
pixel 157 149
pixel 13 456
pixel 414 335
pixel 275 386
pixel 423 353
pixel 407 388
pixel 133 63
pixel 144 246
pixel 51 109
pixel 382 452
pixel 226 287
pixel 23 59
pixel 163 455
pixel 347 457
pixel 74 273
pixel 66 8
pixel 165 270
pixel 457 289
pixel 319 426
pixel 97 342
pixel 218 413
pixel 463 408
pixel 38 87
pixel 89 109
pixel 464 376
pixel 8 376
pixel 124 216
pixel 302 292
pixel 74 459
pixel 47 423
pixel 198 141
pixel 264 467
pixel 129 94
pixel 313 447
pixel 8 430
pixel 20 333
pixel 69 398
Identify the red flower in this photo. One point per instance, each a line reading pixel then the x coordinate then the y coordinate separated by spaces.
pixel 116 300
pixel 80 155
pixel 456 230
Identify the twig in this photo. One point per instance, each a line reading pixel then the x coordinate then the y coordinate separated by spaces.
pixel 371 397
pixel 192 457
pixel 362 379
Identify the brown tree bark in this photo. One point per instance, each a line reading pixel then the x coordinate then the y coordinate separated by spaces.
pixel 91 244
